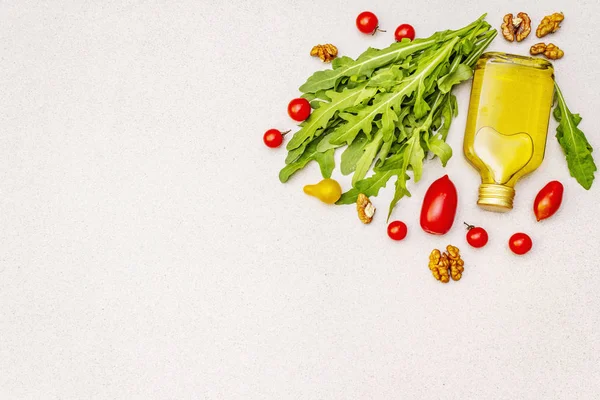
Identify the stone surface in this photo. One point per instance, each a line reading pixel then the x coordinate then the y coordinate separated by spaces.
pixel 148 250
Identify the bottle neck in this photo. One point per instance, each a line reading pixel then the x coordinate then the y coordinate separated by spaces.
pixel 495 197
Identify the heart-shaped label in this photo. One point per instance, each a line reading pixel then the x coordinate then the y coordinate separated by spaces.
pixel 504 155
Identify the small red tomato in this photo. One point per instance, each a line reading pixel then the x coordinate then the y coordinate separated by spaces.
pixel 476 236
pixel 548 200
pixel 397 230
pixel 405 31
pixel 299 109
pixel 520 243
pixel 439 207
pixel 273 138
pixel 367 22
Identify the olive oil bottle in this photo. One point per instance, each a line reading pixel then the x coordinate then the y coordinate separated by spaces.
pixel 507 124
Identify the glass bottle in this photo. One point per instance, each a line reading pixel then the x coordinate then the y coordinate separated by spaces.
pixel 507 124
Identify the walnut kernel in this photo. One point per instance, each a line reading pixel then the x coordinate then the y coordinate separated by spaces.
pixel 550 24
pixel 326 52
pixel 516 28
pixel 365 209
pixel 457 265
pixel 447 264
pixel 538 48
pixel 438 264
pixel 551 51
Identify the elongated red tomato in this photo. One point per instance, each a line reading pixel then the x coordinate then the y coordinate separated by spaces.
pixel 548 200
pixel 439 207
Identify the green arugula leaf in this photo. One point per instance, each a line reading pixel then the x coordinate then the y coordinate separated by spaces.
pixel 440 148
pixel 462 73
pixel 320 117
pixel 352 154
pixel 294 155
pixel 413 157
pixel 400 191
pixel 383 152
pixel 388 124
pixel 366 159
pixel 369 187
pixel 421 107
pixel 326 162
pixel 386 78
pixel 575 145
pixel 310 154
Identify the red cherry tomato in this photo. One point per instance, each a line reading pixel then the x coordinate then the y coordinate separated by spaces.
pixel 548 200
pixel 439 207
pixel 367 22
pixel 299 109
pixel 397 230
pixel 476 236
pixel 405 31
pixel 273 138
pixel 520 243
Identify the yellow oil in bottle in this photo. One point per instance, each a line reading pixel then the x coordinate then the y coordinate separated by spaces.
pixel 507 125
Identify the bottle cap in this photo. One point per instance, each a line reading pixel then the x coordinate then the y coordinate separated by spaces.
pixel 494 197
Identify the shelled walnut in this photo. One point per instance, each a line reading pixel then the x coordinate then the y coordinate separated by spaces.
pixel 516 28
pixel 326 52
pixel 446 265
pixel 550 24
pixel 438 264
pixel 365 209
pixel 551 51
pixel 457 265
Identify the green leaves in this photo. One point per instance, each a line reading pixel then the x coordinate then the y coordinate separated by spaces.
pixel 575 145
pixel 366 63
pixel 364 163
pixel 462 73
pixel 321 116
pixel 373 59
pixel 369 187
pixel 440 148
pixel 399 192
pixel 389 107
pixel 352 154
pixel 326 161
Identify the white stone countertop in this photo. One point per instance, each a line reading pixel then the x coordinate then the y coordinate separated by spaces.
pixel 148 250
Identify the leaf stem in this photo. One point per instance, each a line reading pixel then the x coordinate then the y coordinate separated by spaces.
pixel 474 56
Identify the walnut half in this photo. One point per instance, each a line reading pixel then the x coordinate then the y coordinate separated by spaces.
pixel 550 24
pixel 326 52
pixel 551 51
pixel 438 265
pixel 516 28
pixel 365 209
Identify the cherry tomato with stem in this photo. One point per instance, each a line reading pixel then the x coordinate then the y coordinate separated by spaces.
pixel 404 31
pixel 397 230
pixel 274 137
pixel 299 109
pixel 520 243
pixel 439 207
pixel 476 236
pixel 367 22
pixel 548 200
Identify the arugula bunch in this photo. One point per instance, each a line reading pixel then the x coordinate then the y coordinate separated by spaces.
pixel 389 107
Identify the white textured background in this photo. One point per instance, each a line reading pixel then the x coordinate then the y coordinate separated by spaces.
pixel 148 250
